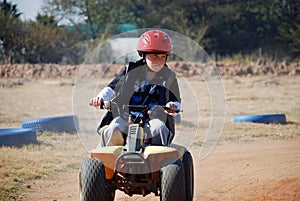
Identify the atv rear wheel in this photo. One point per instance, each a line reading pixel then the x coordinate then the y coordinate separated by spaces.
pixel 92 179
pixel 189 175
pixel 172 182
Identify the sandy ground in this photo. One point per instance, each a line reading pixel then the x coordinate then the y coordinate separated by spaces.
pixel 266 170
pixel 250 161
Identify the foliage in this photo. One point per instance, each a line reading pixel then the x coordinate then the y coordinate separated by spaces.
pixel 240 26
pixel 45 42
pixel 42 41
pixel 10 30
pixel 267 28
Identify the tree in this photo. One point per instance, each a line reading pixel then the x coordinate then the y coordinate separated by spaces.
pixel 289 27
pixel 45 42
pixel 226 27
pixel 245 26
pixel 10 10
pixel 47 20
pixel 11 31
pixel 73 11
pixel 186 17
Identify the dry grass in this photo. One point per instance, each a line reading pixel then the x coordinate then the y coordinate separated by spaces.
pixel 250 96
pixel 54 153
pixel 61 152
pixel 253 131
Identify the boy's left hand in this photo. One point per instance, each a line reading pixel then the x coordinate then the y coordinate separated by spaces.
pixel 173 107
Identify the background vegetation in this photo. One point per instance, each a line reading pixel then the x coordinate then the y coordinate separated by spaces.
pixel 65 29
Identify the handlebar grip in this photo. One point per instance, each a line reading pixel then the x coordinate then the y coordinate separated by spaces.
pixel 172 109
pixel 101 105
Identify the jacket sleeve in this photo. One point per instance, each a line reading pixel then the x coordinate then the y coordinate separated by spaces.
pixel 110 91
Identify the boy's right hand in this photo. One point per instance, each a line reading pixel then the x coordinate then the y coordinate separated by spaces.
pixel 97 102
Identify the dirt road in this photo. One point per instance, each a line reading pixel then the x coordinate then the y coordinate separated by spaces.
pixel 251 161
pixel 260 170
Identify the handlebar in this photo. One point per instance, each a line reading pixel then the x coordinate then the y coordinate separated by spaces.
pixel 172 109
pixel 135 108
pixel 141 108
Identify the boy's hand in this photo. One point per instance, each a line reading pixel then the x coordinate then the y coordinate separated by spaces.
pixel 97 102
pixel 173 108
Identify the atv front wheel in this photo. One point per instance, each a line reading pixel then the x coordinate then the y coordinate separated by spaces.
pixel 93 182
pixel 189 175
pixel 173 182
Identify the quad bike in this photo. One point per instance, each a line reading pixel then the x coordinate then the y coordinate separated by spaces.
pixel 137 168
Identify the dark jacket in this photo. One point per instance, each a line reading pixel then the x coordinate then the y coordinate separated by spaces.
pixel 131 87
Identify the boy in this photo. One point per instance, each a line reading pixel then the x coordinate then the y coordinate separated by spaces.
pixel 149 82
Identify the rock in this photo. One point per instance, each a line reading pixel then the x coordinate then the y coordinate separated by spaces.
pixel 183 68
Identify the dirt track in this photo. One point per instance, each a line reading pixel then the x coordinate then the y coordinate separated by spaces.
pixel 251 161
pixel 264 170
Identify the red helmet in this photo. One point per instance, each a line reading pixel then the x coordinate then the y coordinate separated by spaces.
pixel 155 42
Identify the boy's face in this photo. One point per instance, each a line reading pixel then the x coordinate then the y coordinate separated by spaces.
pixel 156 61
